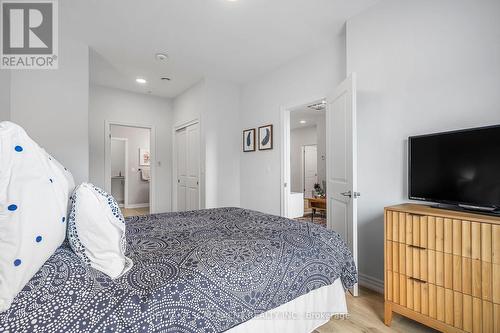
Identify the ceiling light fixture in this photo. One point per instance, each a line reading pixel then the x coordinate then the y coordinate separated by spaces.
pixel 166 78
pixel 140 80
pixel 302 121
pixel 161 56
pixel 318 106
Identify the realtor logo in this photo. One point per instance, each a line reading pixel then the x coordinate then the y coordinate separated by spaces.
pixel 29 34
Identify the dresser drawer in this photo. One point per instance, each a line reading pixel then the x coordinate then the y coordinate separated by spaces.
pixel 462 274
pixel 464 312
pixel 459 237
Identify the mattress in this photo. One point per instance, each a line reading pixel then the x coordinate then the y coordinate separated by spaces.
pixel 202 271
pixel 302 315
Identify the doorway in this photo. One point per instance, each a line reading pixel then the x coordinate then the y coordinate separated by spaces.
pixel 129 167
pixel 187 167
pixel 339 186
pixel 307 163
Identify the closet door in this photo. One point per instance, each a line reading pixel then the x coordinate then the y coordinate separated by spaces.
pixel 188 167
pixel 181 148
pixel 193 167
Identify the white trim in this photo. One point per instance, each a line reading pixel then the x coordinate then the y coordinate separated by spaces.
pixel 186 124
pixel 139 205
pixel 371 283
pixel 107 157
pixel 285 149
pixel 125 188
pixel 174 162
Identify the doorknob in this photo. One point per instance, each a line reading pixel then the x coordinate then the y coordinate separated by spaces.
pixel 350 194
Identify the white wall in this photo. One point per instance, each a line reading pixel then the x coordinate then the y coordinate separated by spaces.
pixel 4 94
pixel 108 104
pixel 138 189
pixel 299 137
pixel 188 106
pixel 222 145
pixel 423 66
pixel 215 104
pixel 52 106
pixel 309 78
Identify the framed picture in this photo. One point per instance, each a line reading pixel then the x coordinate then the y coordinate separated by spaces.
pixel 144 158
pixel 266 137
pixel 249 140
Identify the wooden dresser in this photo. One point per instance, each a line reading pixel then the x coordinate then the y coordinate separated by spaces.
pixel 442 268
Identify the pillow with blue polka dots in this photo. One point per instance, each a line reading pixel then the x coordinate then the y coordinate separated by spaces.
pixel 96 230
pixel 34 195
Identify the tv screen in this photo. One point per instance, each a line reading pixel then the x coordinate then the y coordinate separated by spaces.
pixel 461 167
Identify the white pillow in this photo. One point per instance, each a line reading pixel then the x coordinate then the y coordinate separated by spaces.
pixel 96 230
pixel 34 194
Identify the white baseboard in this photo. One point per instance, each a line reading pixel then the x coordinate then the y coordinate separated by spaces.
pixel 140 205
pixel 371 283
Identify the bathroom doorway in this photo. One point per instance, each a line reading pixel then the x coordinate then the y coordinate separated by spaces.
pixel 130 162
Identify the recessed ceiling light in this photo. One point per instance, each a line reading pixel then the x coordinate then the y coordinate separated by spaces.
pixel 140 80
pixel 302 121
pixel 161 56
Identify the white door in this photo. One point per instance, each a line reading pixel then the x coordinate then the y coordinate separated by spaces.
pixel 188 167
pixel 193 167
pixel 342 164
pixel 118 169
pixel 310 169
pixel 181 147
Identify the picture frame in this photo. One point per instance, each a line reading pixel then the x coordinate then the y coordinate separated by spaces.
pixel 249 140
pixel 266 137
pixel 144 157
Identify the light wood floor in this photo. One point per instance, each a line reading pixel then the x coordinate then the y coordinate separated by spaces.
pixel 366 313
pixel 135 211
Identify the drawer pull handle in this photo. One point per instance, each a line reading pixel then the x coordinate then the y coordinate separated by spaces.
pixel 417 247
pixel 417 280
pixel 416 215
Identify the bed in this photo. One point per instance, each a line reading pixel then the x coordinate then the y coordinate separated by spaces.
pixel 214 270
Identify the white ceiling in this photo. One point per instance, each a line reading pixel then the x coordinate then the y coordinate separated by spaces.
pixel 312 117
pixel 231 40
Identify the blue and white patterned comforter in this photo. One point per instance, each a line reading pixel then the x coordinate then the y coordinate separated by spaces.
pixel 203 271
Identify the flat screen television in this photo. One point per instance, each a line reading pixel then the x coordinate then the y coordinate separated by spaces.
pixel 459 168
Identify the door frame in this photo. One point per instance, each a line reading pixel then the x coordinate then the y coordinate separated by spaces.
pixel 125 189
pixel 152 155
pixel 174 163
pixel 285 111
pixel 303 166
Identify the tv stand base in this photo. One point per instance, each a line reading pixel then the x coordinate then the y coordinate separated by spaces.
pixel 466 208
